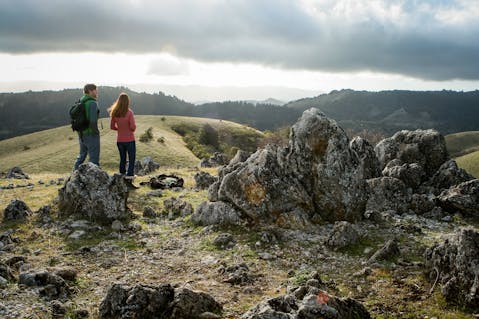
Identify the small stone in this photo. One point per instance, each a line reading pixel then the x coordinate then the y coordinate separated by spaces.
pixel 77 234
pixel 3 282
pixel 117 225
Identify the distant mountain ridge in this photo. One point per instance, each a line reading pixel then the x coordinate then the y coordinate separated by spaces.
pixel 389 111
pixel 384 111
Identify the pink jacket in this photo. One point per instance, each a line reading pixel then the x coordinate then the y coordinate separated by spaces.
pixel 125 127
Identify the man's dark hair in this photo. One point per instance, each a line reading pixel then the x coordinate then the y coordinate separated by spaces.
pixel 89 87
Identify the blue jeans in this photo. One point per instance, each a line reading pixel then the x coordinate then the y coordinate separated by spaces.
pixel 124 148
pixel 89 145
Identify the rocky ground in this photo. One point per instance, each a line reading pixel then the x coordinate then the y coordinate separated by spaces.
pixel 239 270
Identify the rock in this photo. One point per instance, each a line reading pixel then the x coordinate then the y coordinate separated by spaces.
pixel 77 234
pixel 218 159
pixel 387 193
pixel 3 282
pixel 422 203
pixel 239 157
pixel 177 207
pixel 424 147
pixel 117 226
pixel 387 252
pixel 463 198
pixel 68 274
pixel 51 285
pixel 204 180
pixel 155 193
pixel 369 162
pixel 149 212
pixel 316 177
pixel 224 241
pixel 189 304
pixel 238 275
pixel 448 175
pixel 150 302
pixel 17 173
pixel 410 174
pixel 89 192
pixel 17 210
pixel 6 273
pixel 342 235
pixel 307 302
pixel 216 213
pixel 454 264
pixel 43 215
pixel 145 166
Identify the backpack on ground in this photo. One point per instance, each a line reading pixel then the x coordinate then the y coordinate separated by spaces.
pixel 78 117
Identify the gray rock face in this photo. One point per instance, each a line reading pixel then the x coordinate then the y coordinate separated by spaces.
pixel 90 193
pixel 217 159
pixel 224 241
pixel 17 210
pixel 204 180
pixel 388 251
pixel 307 302
pixel 317 176
pixel 463 198
pixel 238 274
pixel 216 213
pixel 177 207
pixel 367 157
pixel 448 175
pixel 149 212
pixel 342 235
pixel 239 157
pixel 424 147
pixel 387 193
pixel 152 302
pixel 146 166
pixel 455 265
pixel 410 174
pixel 6 272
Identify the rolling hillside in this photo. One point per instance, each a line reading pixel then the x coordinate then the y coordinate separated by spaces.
pixel 55 150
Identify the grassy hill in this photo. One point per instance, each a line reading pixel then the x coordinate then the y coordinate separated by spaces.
pixel 464 147
pixel 55 150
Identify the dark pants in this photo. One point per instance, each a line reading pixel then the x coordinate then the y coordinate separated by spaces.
pixel 89 145
pixel 124 148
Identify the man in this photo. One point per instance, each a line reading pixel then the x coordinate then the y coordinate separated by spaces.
pixel 89 139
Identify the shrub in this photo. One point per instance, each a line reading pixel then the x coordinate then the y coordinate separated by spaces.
pixel 209 136
pixel 147 136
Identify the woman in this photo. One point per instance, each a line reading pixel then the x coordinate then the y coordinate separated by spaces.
pixel 123 121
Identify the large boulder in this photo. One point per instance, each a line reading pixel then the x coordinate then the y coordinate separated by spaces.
pixel 17 173
pixel 410 174
pixel 91 193
pixel 152 302
pixel 204 180
pixel 316 177
pixel 454 264
pixel 463 198
pixel 216 213
pixel 17 210
pixel 426 148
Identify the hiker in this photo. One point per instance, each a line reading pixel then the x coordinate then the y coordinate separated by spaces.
pixel 89 139
pixel 123 121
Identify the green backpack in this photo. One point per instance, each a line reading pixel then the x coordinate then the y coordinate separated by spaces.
pixel 78 118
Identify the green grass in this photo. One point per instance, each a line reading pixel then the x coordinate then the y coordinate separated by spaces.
pixel 459 144
pixel 55 150
pixel 470 163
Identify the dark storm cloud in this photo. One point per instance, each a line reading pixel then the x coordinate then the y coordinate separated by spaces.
pixel 425 39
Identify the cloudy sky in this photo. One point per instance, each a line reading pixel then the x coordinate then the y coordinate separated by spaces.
pixel 240 49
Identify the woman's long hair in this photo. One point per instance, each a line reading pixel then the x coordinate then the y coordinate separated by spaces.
pixel 121 106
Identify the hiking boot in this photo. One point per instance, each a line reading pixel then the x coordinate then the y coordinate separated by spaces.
pixel 130 185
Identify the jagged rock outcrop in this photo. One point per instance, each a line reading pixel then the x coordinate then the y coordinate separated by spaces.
pixel 146 166
pixel 463 198
pixel 17 210
pixel 90 193
pixel 342 235
pixel 410 174
pixel 151 302
pixel 388 193
pixel 316 177
pixel 448 175
pixel 454 265
pixel 217 213
pixel 53 285
pixel 308 302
